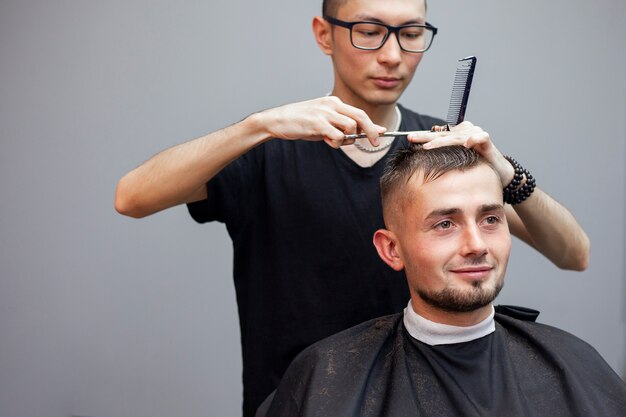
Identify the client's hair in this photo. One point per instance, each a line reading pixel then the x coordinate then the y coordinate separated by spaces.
pixel 431 163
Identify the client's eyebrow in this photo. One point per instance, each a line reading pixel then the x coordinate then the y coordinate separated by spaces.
pixel 442 213
pixel 490 207
pixel 485 208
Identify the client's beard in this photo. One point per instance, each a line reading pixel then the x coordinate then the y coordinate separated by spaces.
pixel 456 300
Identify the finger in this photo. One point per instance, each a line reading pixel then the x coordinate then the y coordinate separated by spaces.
pixel 345 124
pixel 334 136
pixel 333 143
pixel 334 126
pixel 437 128
pixel 465 134
pixel 364 123
pixel 445 141
pixel 425 136
pixel 478 140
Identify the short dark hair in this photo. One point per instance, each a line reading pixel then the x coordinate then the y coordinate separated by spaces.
pixel 405 163
pixel 330 7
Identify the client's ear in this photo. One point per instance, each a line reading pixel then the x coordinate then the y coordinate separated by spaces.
pixel 385 242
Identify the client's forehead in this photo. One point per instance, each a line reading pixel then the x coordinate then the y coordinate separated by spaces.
pixel 464 189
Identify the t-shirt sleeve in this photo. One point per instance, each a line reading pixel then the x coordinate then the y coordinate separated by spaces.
pixel 229 188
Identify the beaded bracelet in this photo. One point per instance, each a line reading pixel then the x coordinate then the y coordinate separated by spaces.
pixel 513 193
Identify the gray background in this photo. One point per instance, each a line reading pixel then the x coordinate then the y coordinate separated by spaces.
pixel 102 315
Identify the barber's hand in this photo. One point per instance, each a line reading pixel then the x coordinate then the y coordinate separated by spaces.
pixel 326 118
pixel 470 136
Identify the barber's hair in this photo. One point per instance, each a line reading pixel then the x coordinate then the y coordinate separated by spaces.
pixel 330 7
pixel 431 163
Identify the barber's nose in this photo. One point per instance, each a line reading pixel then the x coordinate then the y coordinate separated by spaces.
pixel 390 52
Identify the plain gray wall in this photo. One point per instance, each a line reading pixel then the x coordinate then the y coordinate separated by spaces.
pixel 102 315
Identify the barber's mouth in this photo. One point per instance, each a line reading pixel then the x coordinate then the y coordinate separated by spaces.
pixel 384 82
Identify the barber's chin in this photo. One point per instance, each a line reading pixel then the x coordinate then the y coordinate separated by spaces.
pixel 384 98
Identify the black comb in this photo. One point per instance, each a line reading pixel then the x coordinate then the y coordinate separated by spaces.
pixel 461 90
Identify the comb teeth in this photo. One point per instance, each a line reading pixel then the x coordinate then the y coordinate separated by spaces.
pixel 461 90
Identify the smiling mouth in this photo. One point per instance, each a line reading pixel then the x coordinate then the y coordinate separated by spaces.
pixel 473 272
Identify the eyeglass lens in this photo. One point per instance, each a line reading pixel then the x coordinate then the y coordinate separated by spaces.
pixel 372 36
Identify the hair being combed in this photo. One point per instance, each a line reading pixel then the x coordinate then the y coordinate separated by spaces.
pixel 431 163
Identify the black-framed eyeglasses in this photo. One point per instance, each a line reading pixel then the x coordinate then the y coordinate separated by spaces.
pixel 373 35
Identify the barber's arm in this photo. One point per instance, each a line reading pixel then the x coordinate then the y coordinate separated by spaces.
pixel 550 228
pixel 178 175
pixel 540 221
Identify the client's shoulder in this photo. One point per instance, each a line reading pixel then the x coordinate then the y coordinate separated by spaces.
pixel 531 333
pixel 356 342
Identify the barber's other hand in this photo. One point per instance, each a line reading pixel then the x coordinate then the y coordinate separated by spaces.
pixel 472 137
pixel 325 118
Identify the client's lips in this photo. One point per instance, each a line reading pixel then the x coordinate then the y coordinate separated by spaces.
pixel 473 272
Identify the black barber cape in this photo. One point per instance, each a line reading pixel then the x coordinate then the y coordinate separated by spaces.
pixel 378 369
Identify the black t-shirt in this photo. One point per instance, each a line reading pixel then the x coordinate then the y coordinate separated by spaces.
pixel 301 216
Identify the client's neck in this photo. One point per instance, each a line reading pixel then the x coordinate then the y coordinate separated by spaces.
pixel 451 318
pixel 433 333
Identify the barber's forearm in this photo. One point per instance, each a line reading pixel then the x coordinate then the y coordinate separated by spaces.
pixel 178 175
pixel 552 230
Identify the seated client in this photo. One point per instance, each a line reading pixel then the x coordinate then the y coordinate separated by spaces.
pixel 450 353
